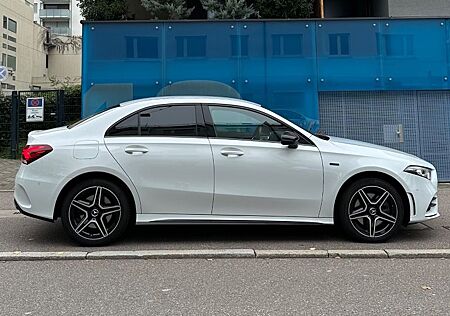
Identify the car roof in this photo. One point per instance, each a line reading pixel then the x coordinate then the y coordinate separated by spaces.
pixel 190 99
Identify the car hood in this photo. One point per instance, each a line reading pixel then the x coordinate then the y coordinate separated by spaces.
pixel 373 150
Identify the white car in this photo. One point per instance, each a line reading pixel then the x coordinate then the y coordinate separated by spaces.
pixel 210 159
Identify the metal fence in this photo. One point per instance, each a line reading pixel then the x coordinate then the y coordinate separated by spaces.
pixel 59 109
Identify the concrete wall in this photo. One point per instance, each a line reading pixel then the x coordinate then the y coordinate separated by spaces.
pixel 400 8
pixel 67 63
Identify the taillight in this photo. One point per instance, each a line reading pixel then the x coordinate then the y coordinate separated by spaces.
pixel 31 153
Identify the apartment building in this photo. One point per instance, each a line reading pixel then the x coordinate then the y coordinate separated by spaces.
pixel 61 17
pixel 31 53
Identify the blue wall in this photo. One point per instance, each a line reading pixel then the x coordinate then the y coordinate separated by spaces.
pixel 281 64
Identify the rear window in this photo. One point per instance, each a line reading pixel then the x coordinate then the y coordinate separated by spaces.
pixel 90 117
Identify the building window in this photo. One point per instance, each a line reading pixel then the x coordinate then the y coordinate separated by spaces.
pixel 287 44
pixel 191 46
pixel 3 60
pixel 11 48
pixel 11 62
pixel 395 45
pixel 46 61
pixel 339 44
pixel 142 47
pixel 5 22
pixel 35 8
pixel 239 45
pixel 4 45
pixel 12 25
pixel 5 36
pixel 12 39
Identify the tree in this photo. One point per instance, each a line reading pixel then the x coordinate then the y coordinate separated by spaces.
pixel 167 9
pixel 100 10
pixel 229 9
pixel 285 9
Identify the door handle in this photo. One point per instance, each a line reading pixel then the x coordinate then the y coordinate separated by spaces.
pixel 231 152
pixel 136 150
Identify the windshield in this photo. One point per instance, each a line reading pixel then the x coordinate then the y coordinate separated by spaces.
pixel 88 118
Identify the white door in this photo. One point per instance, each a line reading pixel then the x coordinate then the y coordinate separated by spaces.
pixel 170 165
pixel 255 174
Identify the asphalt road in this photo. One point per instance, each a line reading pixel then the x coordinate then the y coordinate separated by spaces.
pixel 18 232
pixel 226 287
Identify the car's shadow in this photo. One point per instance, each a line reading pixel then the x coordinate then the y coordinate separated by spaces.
pixel 52 236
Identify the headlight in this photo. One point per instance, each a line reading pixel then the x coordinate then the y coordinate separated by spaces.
pixel 419 171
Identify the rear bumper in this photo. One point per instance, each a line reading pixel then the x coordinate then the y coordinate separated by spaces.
pixel 29 214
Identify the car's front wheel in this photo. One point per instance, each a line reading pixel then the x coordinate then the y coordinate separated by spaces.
pixel 370 210
pixel 95 212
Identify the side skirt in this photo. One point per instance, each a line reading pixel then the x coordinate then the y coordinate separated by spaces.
pixel 148 219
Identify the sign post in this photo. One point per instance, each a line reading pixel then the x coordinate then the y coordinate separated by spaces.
pixel 3 73
pixel 35 109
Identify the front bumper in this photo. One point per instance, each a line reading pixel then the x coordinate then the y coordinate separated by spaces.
pixel 422 195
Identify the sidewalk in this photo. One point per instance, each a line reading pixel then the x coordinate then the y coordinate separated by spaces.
pixel 8 170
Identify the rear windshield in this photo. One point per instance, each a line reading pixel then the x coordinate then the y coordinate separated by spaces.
pixel 88 118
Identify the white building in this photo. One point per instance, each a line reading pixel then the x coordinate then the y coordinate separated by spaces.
pixel 62 17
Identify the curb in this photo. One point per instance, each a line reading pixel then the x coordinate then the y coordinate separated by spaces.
pixel 225 254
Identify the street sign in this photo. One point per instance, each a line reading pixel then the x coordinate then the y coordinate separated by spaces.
pixel 3 73
pixel 35 109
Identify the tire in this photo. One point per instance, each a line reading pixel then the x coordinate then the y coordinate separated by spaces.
pixel 370 210
pixel 96 212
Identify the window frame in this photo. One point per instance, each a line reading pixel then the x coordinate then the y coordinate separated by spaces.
pixel 211 132
pixel 199 121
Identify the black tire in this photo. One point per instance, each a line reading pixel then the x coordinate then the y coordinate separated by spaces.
pixel 362 219
pixel 107 216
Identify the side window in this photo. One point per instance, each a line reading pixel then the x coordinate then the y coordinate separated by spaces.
pixel 178 120
pixel 244 124
pixel 127 127
pixel 169 121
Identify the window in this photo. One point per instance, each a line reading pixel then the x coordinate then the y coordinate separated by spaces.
pixel 395 45
pixel 3 59
pixel 191 46
pixel 5 36
pixel 11 48
pixel 244 124
pixel 339 44
pixel 5 22
pixel 12 25
pixel 239 45
pixel 4 45
pixel 172 121
pixel 287 44
pixel 142 47
pixel 35 8
pixel 11 61
pixel 12 39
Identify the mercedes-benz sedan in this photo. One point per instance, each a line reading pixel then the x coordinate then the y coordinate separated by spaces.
pixel 209 159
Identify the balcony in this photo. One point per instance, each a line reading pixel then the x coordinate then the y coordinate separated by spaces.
pixel 59 14
pixel 59 30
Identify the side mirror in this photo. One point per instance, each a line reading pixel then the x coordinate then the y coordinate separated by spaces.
pixel 289 139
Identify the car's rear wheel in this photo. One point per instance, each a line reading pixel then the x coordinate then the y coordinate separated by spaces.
pixel 370 210
pixel 95 212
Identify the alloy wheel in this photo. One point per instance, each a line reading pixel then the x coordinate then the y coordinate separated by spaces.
pixel 95 213
pixel 373 211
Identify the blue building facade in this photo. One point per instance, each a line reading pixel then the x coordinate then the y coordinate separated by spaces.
pixel 318 73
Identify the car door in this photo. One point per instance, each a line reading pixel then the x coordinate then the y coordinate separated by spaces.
pixel 254 173
pixel 166 157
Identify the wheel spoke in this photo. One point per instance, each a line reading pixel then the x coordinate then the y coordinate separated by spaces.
pixel 101 227
pixel 83 224
pixel 81 205
pixel 364 197
pixel 97 196
pixel 372 226
pixel 111 209
pixel 382 199
pixel 386 217
pixel 360 213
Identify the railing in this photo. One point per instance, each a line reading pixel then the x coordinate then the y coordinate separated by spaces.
pixel 54 14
